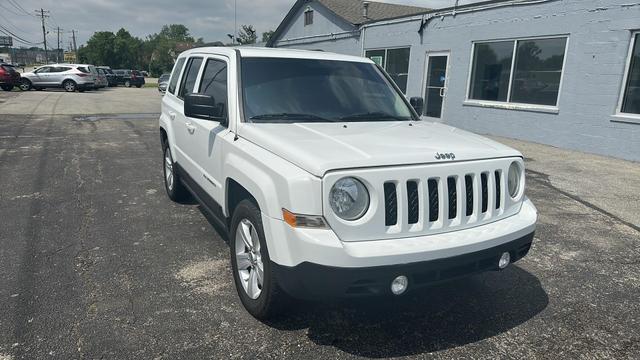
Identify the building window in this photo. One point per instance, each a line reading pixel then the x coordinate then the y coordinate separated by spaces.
pixel 395 62
pixel 524 71
pixel 308 17
pixel 631 91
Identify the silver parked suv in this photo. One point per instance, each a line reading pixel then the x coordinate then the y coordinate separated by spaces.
pixel 70 77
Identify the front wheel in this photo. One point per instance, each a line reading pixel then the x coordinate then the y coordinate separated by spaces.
pixel 256 283
pixel 69 86
pixel 25 85
pixel 7 87
pixel 138 86
pixel 127 83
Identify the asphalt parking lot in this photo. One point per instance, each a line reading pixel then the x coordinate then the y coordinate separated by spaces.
pixel 96 262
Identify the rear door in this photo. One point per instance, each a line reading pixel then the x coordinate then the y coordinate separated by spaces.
pixel 172 105
pixel 183 127
pixel 57 75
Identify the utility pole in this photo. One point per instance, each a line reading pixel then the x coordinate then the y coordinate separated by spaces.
pixel 75 48
pixel 44 14
pixel 58 30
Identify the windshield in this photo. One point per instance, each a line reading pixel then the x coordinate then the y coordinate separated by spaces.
pixel 312 90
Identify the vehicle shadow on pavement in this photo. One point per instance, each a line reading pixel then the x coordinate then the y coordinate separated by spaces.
pixel 438 318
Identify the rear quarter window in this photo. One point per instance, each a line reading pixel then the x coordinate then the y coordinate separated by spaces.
pixel 83 69
pixel 175 74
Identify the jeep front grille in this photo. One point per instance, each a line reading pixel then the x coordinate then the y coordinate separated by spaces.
pixel 427 199
pixel 474 187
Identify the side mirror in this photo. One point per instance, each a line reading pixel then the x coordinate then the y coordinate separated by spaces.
pixel 417 103
pixel 202 106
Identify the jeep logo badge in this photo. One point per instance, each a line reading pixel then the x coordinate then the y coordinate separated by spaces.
pixel 445 156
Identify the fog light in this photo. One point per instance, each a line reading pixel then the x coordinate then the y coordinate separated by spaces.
pixel 505 259
pixel 399 285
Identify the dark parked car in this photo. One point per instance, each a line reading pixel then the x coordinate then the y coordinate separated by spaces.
pixel 129 78
pixel 9 77
pixel 111 77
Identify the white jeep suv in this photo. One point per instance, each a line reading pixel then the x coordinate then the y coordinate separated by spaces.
pixel 327 182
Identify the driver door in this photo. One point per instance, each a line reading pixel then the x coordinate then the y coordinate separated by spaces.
pixel 206 137
pixel 41 76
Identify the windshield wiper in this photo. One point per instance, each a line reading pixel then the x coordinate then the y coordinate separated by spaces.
pixel 289 116
pixel 378 115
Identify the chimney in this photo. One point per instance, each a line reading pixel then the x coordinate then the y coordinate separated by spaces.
pixel 365 9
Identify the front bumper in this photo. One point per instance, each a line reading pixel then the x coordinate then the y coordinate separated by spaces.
pixel 313 281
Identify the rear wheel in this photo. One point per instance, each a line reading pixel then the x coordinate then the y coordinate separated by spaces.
pixel 175 189
pixel 256 283
pixel 69 85
pixel 25 85
pixel 138 86
pixel 7 87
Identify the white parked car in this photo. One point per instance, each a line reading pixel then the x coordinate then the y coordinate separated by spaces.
pixel 328 182
pixel 70 77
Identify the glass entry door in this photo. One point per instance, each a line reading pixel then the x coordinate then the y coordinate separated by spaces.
pixel 436 83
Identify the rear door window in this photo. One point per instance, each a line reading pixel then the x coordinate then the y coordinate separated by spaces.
pixel 189 77
pixel 175 74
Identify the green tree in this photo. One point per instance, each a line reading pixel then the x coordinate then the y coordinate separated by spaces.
pixel 267 35
pixel 99 50
pixel 160 49
pixel 127 50
pixel 247 35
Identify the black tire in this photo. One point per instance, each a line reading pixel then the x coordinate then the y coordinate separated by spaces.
pixel 7 87
pixel 25 85
pixel 138 86
pixel 176 190
pixel 127 83
pixel 272 299
pixel 69 86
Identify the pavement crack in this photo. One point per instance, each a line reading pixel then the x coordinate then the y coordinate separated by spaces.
pixel 543 179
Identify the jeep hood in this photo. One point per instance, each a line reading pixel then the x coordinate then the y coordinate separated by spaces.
pixel 320 147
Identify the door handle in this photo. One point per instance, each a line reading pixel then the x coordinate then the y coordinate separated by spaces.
pixel 172 115
pixel 442 91
pixel 190 128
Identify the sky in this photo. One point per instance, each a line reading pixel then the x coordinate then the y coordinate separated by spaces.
pixel 209 19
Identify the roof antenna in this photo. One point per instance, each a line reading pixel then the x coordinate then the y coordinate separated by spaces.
pixel 365 9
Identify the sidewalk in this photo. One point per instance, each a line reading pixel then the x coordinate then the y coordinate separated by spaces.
pixel 609 185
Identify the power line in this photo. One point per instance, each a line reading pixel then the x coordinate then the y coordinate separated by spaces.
pixel 10 33
pixel 12 12
pixel 16 5
pixel 16 29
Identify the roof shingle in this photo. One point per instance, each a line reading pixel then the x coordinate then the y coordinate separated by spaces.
pixel 351 10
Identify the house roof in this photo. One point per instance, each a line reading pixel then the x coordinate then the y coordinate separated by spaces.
pixel 351 11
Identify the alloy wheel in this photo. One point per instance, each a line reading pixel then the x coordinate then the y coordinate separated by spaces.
pixel 249 259
pixel 168 169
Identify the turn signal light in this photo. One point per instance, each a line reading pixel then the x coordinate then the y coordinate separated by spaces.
pixel 303 221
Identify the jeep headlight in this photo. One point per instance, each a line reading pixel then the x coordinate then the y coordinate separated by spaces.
pixel 349 198
pixel 514 179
